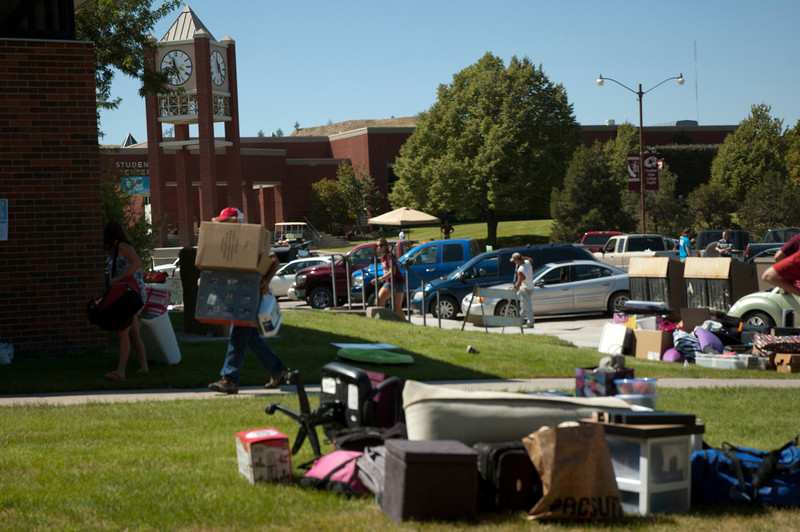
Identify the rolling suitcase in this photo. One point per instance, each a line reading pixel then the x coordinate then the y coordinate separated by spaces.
pixel 509 480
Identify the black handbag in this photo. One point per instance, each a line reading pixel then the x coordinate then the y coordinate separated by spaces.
pixel 117 305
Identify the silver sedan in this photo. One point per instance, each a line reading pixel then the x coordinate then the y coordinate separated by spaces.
pixel 284 277
pixel 565 287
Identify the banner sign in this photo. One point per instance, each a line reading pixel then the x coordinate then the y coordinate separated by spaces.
pixel 651 166
pixel 136 185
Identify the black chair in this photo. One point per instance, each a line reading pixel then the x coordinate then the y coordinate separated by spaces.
pixel 349 397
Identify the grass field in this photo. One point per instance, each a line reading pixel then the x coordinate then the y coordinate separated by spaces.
pixel 171 465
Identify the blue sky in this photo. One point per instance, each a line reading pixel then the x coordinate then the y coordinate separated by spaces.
pixel 320 61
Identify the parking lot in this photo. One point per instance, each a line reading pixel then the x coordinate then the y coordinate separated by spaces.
pixel 580 330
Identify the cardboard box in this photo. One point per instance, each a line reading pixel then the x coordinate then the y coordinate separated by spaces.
pixel 233 247
pixel 264 455
pixel 650 345
pixel 787 362
pixel 228 298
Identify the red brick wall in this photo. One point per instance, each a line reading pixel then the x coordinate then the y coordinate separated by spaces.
pixel 52 262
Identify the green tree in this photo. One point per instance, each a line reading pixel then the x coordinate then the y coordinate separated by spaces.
pixel 348 198
pixel 666 213
pixel 710 207
pixel 792 137
pixel 496 142
pixel 772 202
pixel 755 149
pixel 590 199
pixel 119 31
pixel 117 205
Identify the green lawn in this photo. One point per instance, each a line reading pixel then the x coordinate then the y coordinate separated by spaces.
pixel 172 465
pixel 515 233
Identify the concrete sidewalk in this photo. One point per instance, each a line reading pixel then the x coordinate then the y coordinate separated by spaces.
pixel 509 385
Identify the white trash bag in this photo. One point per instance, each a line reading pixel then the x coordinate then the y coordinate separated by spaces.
pixel 6 354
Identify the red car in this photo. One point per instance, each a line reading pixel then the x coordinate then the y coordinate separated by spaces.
pixel 595 240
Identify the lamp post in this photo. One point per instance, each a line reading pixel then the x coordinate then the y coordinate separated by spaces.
pixel 640 93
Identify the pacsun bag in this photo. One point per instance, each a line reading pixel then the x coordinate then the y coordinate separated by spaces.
pixel 574 465
pixel 117 304
pixel 336 472
pixel 736 475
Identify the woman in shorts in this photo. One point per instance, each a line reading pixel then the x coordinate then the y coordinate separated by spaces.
pixel 392 278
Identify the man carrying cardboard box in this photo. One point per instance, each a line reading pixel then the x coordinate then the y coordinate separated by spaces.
pixel 243 337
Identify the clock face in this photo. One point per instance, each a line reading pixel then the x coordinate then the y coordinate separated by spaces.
pixel 217 68
pixel 179 65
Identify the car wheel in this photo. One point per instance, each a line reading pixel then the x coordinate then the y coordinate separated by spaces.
pixel 448 308
pixel 507 308
pixel 320 297
pixel 758 318
pixel 617 301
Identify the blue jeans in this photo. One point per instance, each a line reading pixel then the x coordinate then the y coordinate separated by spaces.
pixel 241 339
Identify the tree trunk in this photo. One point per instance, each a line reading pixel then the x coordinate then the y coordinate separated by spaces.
pixel 491 228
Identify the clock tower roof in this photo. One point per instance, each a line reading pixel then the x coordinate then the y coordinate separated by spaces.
pixel 185 26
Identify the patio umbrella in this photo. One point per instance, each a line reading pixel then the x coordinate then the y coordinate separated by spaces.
pixel 403 217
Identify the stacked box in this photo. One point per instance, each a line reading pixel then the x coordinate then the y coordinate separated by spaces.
pixel 651 345
pixel 432 479
pixel 233 247
pixel 264 455
pixel 592 382
pixel 228 298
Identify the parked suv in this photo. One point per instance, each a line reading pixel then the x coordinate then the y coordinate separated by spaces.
pixel 487 269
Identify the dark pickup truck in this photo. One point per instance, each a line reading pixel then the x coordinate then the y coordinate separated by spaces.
pixel 773 241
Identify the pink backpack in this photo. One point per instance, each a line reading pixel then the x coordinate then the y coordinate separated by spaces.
pixel 337 472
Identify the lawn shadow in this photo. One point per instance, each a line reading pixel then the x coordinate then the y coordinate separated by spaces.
pixel 293 347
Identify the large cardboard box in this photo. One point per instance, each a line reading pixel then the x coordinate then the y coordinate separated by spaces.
pixel 657 279
pixel 787 362
pixel 650 345
pixel 264 455
pixel 233 247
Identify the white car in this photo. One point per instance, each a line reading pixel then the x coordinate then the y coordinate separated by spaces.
pixel 565 287
pixel 284 277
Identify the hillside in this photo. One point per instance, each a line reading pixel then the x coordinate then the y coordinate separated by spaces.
pixel 351 125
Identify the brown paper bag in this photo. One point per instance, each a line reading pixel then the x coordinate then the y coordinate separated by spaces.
pixel 578 480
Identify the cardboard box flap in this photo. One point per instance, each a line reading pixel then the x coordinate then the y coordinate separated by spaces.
pixel 648 267
pixel 707 268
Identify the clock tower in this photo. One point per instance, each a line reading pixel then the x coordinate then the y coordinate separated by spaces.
pixel 202 73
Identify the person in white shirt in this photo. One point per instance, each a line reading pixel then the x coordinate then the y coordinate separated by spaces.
pixel 524 285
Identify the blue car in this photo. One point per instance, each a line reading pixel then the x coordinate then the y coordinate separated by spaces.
pixel 487 269
pixel 421 264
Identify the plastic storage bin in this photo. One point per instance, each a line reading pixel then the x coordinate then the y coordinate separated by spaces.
pixel 652 464
pixel 636 386
pixel 721 361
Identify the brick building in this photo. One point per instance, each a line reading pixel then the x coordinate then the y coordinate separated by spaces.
pixel 51 257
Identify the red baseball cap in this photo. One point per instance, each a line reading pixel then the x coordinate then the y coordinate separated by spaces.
pixel 229 212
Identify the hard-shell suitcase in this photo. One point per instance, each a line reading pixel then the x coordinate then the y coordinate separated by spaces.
pixel 509 480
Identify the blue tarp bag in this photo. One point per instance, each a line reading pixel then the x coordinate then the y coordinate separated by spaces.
pixel 736 475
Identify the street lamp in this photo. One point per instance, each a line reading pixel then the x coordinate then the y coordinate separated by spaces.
pixel 639 94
